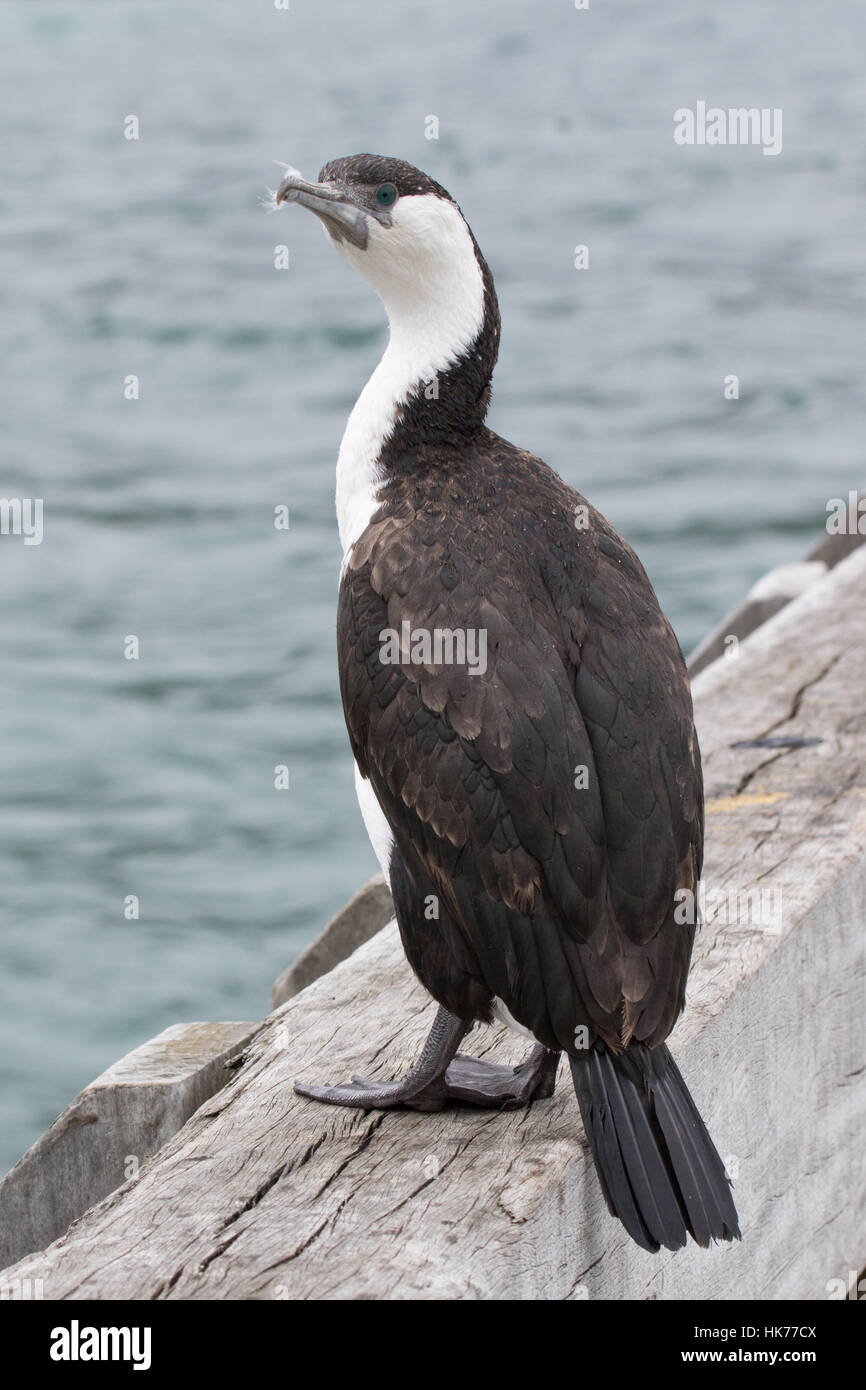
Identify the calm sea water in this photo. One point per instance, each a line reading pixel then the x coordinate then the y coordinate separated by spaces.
pixel 153 257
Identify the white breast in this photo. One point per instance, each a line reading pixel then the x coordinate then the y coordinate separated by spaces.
pixel 425 271
pixel 378 828
pixel 501 1012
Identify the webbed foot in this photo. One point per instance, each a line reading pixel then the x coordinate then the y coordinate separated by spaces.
pixel 490 1084
pixel 440 1076
pixel 422 1088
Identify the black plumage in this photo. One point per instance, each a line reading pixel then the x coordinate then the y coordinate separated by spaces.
pixel 551 807
pixel 562 894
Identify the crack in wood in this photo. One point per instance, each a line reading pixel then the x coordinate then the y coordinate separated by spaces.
pixel 794 710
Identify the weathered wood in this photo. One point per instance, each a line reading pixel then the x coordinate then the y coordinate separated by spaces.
pixel 366 912
pixel 111 1127
pixel 265 1195
pixel 770 595
pixel 834 546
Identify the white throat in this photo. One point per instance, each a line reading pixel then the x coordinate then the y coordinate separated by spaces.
pixel 425 270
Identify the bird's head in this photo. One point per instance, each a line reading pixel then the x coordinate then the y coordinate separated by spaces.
pixel 406 235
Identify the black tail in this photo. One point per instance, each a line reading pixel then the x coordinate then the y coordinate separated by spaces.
pixel 658 1167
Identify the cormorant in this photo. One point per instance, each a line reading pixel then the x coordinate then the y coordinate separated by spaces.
pixel 521 720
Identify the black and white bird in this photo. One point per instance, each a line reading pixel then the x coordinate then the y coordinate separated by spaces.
pixel 547 800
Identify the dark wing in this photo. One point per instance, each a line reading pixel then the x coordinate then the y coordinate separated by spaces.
pixel 553 802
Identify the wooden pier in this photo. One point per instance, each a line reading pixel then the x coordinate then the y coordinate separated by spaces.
pixel 263 1195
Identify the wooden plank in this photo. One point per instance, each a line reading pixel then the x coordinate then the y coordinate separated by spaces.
pixel 772 592
pixel 265 1195
pixel 110 1128
pixel 366 912
pixel 763 601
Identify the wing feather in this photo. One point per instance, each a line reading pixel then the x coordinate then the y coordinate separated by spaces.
pixel 560 881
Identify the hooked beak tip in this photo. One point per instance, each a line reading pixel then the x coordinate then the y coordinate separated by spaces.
pixel 291 179
pixel 343 219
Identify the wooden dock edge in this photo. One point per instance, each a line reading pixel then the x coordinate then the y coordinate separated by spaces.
pixel 264 1195
pixel 111 1127
pixel 366 912
pixel 771 593
pixel 125 1115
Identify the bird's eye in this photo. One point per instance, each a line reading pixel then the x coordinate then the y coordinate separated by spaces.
pixel 386 195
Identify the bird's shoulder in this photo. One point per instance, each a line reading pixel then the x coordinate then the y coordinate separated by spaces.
pixel 491 528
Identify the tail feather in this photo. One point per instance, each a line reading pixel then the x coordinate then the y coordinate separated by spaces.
pixel 662 1208
pixel 615 1158
pixel 699 1170
pixel 659 1170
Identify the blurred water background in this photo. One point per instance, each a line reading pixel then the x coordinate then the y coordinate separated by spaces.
pixel 155 777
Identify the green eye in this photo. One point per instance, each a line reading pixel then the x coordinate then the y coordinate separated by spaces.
pixel 386 195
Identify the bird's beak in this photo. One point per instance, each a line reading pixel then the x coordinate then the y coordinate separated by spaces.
pixel 342 217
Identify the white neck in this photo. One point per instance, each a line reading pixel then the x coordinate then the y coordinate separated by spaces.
pixel 425 270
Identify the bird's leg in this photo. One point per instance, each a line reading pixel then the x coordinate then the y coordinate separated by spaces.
pixel 497 1087
pixel 440 1076
pixel 422 1088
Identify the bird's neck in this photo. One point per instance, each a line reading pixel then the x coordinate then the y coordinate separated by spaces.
pixel 429 392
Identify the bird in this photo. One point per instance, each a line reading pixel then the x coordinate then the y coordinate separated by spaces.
pixel 521 720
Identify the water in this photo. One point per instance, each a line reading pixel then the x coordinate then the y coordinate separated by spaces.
pixel 155 777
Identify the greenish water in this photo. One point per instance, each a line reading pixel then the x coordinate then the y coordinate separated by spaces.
pixel 153 257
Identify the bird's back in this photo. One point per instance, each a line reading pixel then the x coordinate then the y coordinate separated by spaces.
pixel 550 803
